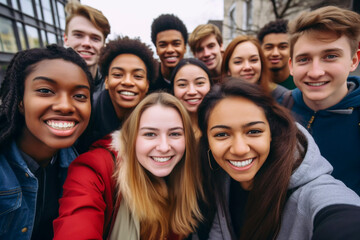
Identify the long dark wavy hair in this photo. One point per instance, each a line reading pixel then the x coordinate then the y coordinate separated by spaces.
pixel 270 187
pixel 12 88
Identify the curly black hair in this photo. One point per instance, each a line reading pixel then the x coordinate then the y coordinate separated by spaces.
pixel 168 22
pixel 277 26
pixel 12 88
pixel 123 45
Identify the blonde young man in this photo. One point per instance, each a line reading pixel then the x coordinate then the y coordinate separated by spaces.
pixel 323 51
pixel 207 45
pixel 85 31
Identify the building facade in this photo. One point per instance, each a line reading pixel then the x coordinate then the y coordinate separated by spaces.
pixel 248 16
pixel 28 24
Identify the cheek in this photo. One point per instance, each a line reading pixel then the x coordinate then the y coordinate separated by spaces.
pixel 178 93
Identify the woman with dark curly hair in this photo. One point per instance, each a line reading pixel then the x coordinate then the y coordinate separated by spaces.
pixel 128 67
pixel 265 174
pixel 43 111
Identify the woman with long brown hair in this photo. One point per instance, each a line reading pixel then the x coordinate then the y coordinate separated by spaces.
pixel 265 174
pixel 243 58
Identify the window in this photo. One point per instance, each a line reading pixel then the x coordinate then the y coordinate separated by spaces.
pixel 43 37
pixel 46 7
pixel 3 2
pixel 14 4
pixel 32 36
pixel 7 36
pixel 27 7
pixel 61 14
pixel 21 35
pixel 51 38
pixel 38 9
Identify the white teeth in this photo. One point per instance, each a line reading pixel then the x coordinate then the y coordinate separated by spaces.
pixel 192 100
pixel 61 125
pixel 161 159
pixel 171 58
pixel 85 53
pixel 316 84
pixel 127 93
pixel 241 163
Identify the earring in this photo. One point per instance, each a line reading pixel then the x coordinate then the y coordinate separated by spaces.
pixel 209 159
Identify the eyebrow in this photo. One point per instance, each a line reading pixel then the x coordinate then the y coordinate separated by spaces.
pixel 42 78
pixel 122 69
pixel 156 129
pixel 245 125
pixel 324 51
pixel 185 80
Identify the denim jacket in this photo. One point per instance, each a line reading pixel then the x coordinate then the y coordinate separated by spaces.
pixel 18 191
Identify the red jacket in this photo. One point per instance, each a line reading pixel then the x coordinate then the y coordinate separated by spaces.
pixel 88 199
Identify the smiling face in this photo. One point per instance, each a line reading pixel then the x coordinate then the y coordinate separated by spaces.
pixel 209 51
pixel 191 84
pixel 85 39
pixel 56 106
pixel 160 143
pixel 245 62
pixel 276 50
pixel 170 47
pixel 239 138
pixel 320 65
pixel 127 82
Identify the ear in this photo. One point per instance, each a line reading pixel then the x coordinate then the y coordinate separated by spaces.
pixel 21 107
pixel 106 83
pixel 65 40
pixel 290 66
pixel 355 61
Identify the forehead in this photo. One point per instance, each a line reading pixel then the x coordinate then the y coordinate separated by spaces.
pixel 169 36
pixel 316 42
pixel 159 116
pixel 82 24
pixel 54 69
pixel 207 40
pixel 190 71
pixel 234 111
pixel 276 38
pixel 127 60
pixel 245 48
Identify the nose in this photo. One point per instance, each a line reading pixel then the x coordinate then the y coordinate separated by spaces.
pixel 64 104
pixel 247 65
pixel 275 51
pixel 239 146
pixel 191 89
pixel 127 80
pixel 170 48
pixel 86 41
pixel 163 145
pixel 207 52
pixel 316 70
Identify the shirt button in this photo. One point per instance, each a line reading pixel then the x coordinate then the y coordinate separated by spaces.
pixel 26 175
pixel 24 230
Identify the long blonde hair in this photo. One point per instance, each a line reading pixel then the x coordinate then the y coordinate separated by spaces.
pixel 161 207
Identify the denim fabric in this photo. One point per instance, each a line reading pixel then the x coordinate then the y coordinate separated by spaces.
pixel 18 192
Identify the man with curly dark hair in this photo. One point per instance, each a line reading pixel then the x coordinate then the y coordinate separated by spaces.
pixel 169 35
pixel 274 41
pixel 128 67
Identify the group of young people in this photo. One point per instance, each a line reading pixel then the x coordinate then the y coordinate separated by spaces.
pixel 102 142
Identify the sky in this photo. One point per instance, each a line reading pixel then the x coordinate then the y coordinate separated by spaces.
pixel 133 18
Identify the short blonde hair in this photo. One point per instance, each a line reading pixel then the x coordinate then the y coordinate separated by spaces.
pixel 202 31
pixel 327 19
pixel 74 8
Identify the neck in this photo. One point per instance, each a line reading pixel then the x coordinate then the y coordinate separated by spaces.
pixel 93 70
pixel 122 113
pixel 37 150
pixel 279 76
pixel 166 72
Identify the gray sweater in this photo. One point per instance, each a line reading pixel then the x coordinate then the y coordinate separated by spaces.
pixel 315 189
